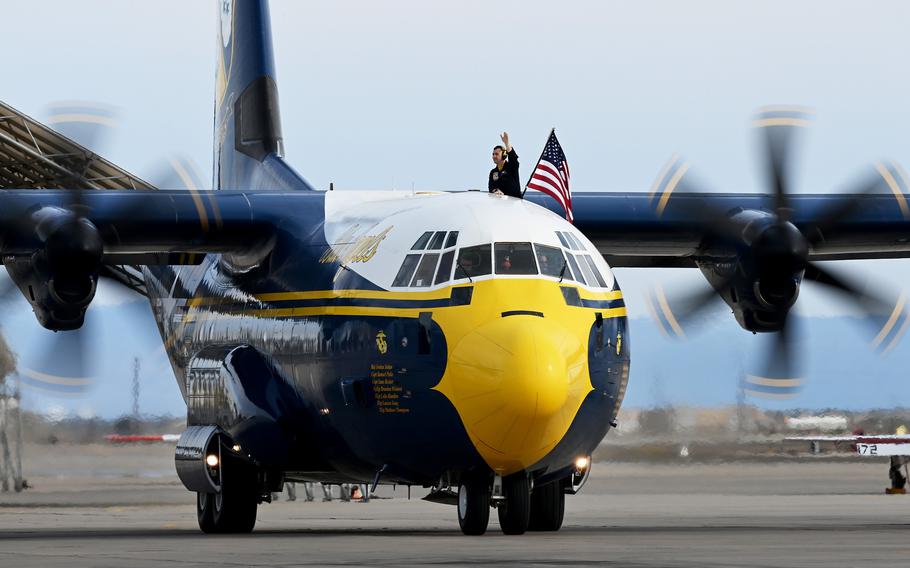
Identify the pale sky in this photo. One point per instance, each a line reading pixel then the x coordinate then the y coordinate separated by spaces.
pixel 395 94
pixel 379 95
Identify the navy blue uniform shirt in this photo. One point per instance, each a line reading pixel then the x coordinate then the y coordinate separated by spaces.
pixel 506 180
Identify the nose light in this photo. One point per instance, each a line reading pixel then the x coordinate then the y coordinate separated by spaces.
pixel 211 460
pixel 581 464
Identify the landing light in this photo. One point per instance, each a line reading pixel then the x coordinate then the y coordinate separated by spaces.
pixel 581 463
pixel 236 448
pixel 211 460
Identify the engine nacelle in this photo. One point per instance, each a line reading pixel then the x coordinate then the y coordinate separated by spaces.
pixel 760 270
pixel 60 278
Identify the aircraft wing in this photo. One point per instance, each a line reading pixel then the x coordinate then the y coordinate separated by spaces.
pixel 641 229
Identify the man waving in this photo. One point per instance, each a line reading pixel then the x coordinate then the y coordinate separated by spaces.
pixel 504 177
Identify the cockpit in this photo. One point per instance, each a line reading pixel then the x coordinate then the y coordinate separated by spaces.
pixel 435 259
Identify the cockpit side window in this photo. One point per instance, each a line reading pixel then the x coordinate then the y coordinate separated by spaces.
pixel 445 267
pixel 600 279
pixel 422 241
pixel 586 269
pixel 473 261
pixel 552 262
pixel 423 278
pixel 515 258
pixel 576 244
pixel 452 240
pixel 576 271
pixel 406 270
pixel 437 241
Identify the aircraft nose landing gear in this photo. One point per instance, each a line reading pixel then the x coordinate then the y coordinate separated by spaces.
pixel 474 505
pixel 515 509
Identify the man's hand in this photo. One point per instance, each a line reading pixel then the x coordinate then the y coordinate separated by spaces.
pixel 505 141
pixel 497 192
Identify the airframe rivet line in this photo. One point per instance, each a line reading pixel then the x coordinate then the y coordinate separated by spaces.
pixel 895 314
pixel 674 181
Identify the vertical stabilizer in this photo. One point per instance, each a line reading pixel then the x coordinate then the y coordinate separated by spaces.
pixel 248 140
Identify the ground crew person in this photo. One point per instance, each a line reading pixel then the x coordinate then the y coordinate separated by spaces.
pixel 504 177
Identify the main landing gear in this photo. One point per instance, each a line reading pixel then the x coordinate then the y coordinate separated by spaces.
pixel 520 508
pixel 233 509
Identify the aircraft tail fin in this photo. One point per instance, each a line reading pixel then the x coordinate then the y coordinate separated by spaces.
pixel 248 142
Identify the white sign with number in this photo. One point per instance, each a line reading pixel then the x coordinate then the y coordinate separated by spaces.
pixel 883 449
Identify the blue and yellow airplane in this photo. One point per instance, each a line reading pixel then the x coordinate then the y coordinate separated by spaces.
pixel 467 342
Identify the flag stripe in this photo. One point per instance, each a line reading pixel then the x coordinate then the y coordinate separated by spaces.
pixel 551 176
pixel 548 189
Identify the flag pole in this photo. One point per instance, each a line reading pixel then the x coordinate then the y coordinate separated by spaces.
pixel 552 130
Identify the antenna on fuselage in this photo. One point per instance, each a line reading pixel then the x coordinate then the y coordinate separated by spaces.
pixel 331 186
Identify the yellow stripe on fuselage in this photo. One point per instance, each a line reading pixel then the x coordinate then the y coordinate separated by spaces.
pixel 516 381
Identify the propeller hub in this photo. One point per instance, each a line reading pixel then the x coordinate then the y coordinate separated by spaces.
pixel 74 247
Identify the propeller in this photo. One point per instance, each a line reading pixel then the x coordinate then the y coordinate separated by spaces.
pixel 766 247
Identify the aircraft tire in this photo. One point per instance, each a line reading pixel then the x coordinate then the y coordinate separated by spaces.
pixel 205 503
pixel 548 507
pixel 473 506
pixel 227 512
pixel 515 512
pixel 231 511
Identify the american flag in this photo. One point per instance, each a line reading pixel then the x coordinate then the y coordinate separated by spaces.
pixel 551 175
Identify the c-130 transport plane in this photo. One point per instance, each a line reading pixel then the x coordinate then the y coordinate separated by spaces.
pixel 470 343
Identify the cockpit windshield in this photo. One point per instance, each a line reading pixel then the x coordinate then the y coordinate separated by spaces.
pixel 514 258
pixel 434 257
pixel 473 261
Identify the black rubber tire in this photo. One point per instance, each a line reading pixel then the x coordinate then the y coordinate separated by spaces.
pixel 227 512
pixel 474 506
pixel 234 509
pixel 205 505
pixel 515 511
pixel 548 507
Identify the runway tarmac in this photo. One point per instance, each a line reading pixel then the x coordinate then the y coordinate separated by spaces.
pixel 104 507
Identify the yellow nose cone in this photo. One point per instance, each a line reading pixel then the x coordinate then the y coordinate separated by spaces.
pixel 517 383
pixel 530 366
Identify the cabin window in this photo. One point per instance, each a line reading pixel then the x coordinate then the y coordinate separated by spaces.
pixel 452 240
pixel 515 258
pixel 552 262
pixel 437 241
pixel 473 261
pixel 424 275
pixel 407 270
pixel 445 267
pixel 422 241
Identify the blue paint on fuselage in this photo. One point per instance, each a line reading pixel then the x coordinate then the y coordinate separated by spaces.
pixel 320 355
